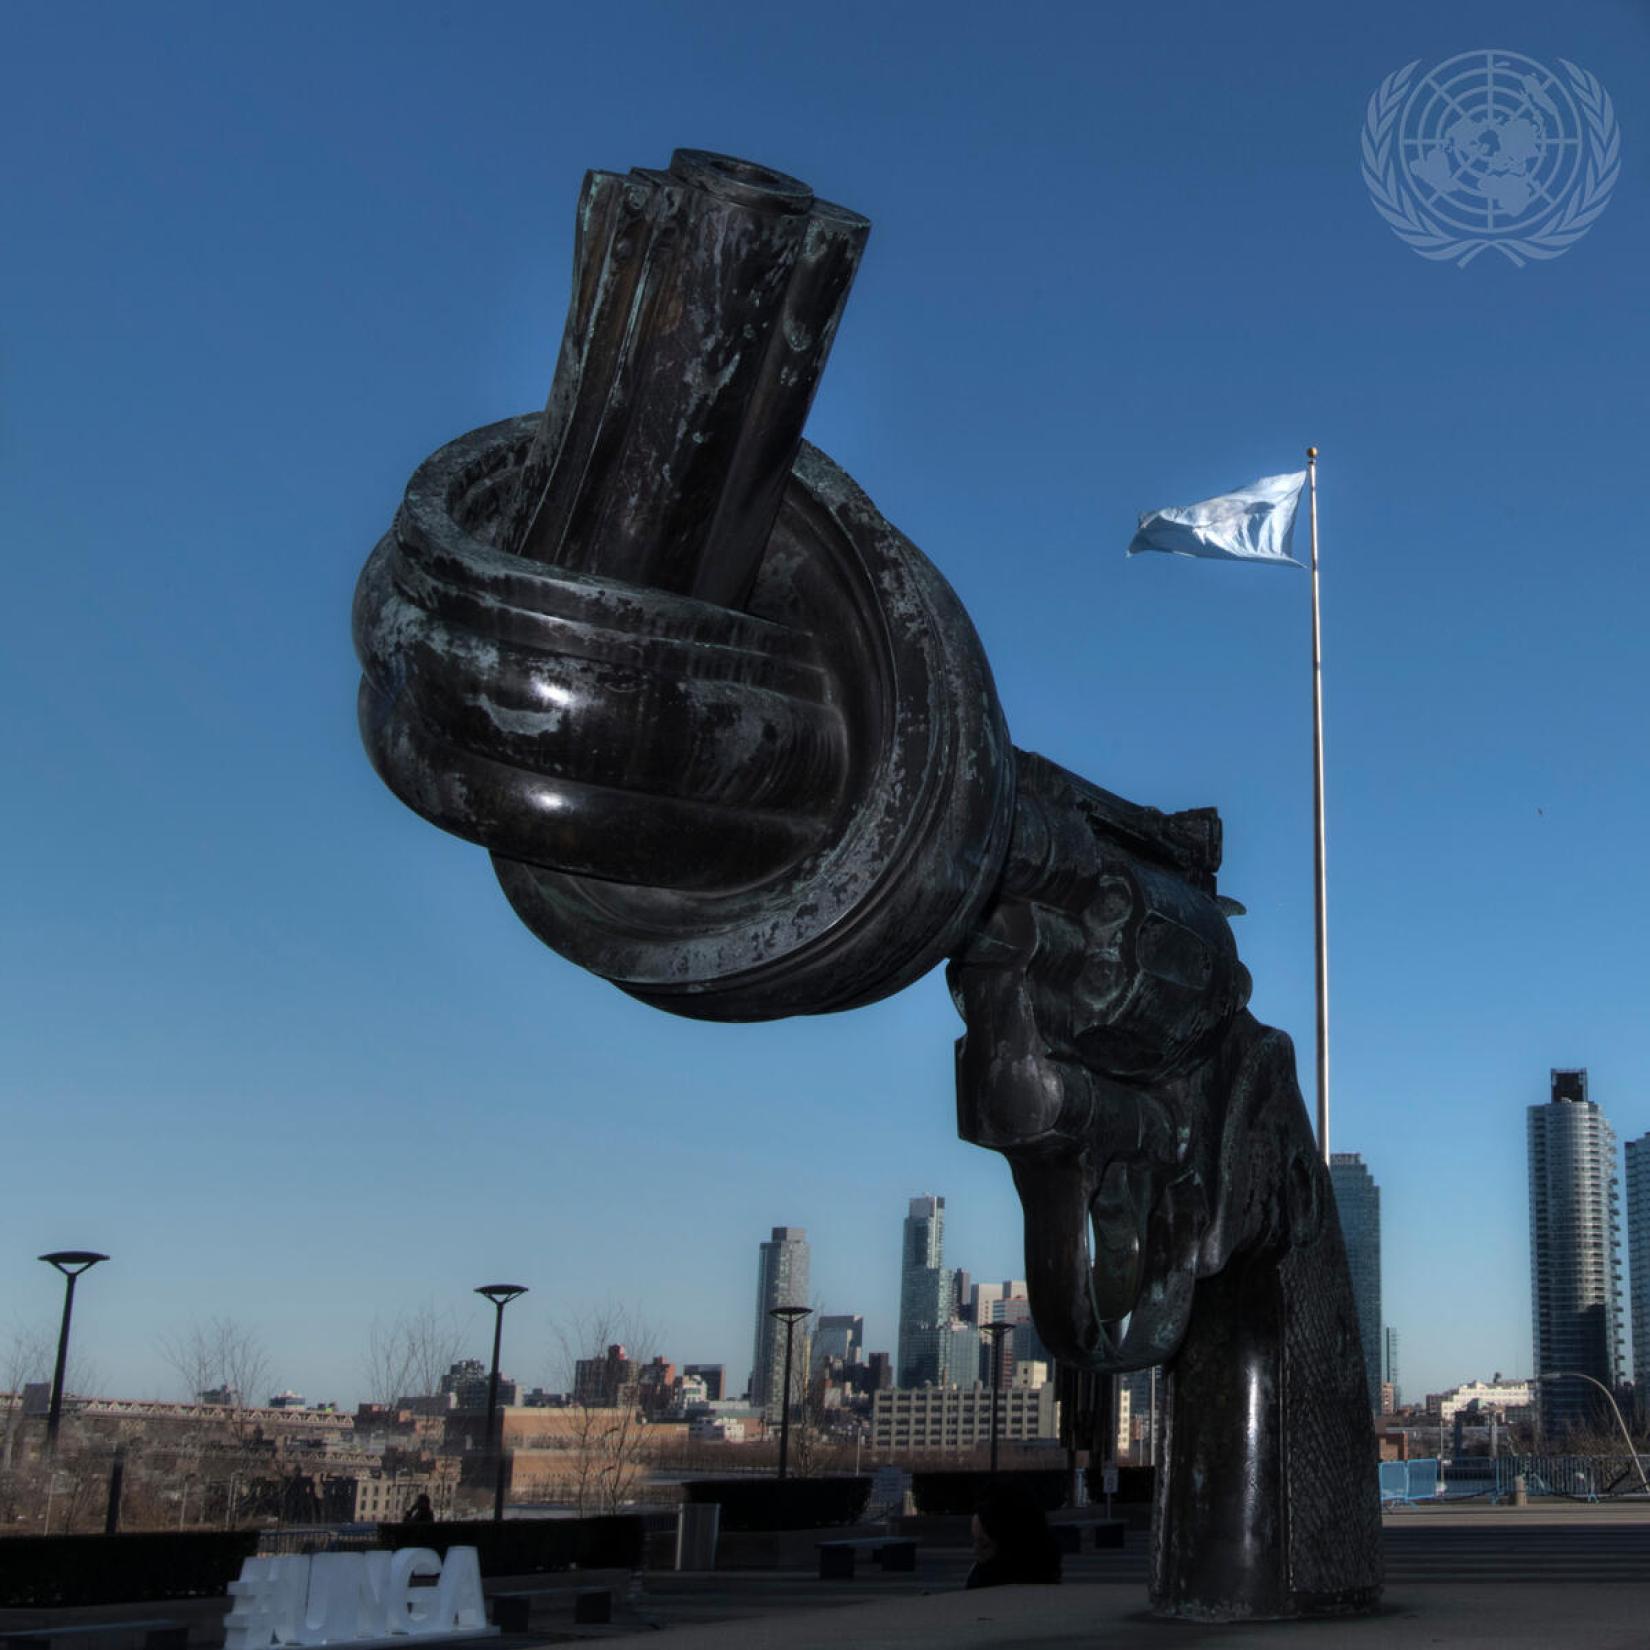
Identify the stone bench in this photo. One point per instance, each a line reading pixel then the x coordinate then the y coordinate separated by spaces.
pixel 591 1605
pixel 891 1552
pixel 157 1635
pixel 1068 1534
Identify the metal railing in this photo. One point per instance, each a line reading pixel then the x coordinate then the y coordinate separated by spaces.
pixel 1570 1477
pixel 317 1538
pixel 1575 1477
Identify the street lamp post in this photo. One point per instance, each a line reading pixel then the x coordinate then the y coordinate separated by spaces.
pixel 1615 1409
pixel 790 1316
pixel 996 1331
pixel 117 1480
pixel 500 1294
pixel 51 1492
pixel 71 1263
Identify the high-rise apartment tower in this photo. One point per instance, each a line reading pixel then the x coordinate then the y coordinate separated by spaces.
pixel 781 1280
pixel 1638 1267
pixel 925 1305
pixel 1575 1281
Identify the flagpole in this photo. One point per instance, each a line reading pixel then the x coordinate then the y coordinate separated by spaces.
pixel 1319 887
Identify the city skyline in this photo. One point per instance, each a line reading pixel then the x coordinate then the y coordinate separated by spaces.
pixel 284 1052
pixel 784 1272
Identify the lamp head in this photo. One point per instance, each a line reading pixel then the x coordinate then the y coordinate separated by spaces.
pixel 72 1262
pixel 790 1314
pixel 501 1294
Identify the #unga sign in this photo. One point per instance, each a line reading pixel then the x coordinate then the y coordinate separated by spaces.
pixel 356 1599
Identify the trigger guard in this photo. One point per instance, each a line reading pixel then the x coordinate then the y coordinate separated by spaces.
pixel 1056 1195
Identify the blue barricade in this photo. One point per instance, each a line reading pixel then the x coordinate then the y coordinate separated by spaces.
pixel 1425 1480
pixel 1407 1481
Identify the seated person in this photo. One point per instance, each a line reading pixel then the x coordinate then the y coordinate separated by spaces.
pixel 1012 1542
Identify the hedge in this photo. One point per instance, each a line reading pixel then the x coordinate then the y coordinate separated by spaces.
pixel 129 1569
pixel 529 1546
pixel 1134 1485
pixel 781 1504
pixel 960 1492
pixel 121 1569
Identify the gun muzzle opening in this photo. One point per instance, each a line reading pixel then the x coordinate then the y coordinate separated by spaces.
pixel 741 180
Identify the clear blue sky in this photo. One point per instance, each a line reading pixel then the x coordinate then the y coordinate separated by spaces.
pixel 281 1048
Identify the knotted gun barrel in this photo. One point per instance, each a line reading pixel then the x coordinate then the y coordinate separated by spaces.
pixel 729 736
pixel 732 743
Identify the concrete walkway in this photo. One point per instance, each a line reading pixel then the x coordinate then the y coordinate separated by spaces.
pixel 1564 1617
pixel 1552 1576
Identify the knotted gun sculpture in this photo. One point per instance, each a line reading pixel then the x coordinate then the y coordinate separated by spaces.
pixel 733 744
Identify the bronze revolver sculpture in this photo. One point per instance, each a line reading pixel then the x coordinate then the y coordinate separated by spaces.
pixel 733 744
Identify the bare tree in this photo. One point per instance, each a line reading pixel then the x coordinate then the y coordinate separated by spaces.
pixel 435 1342
pixel 608 1442
pixel 408 1354
pixel 805 1400
pixel 72 1483
pixel 808 1418
pixel 221 1360
pixel 189 1352
pixel 27 1356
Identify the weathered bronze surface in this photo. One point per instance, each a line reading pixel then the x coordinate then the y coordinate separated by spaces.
pixel 733 744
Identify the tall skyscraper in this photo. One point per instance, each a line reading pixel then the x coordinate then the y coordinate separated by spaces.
pixel 1027 1343
pixel 781 1280
pixel 1638 1266
pixel 1389 1372
pixel 982 1301
pixel 925 1305
pixel 1575 1283
pixel 988 1298
pixel 1142 1391
pixel 1358 1199
pixel 959 1344
pixel 1007 1302
pixel 839 1335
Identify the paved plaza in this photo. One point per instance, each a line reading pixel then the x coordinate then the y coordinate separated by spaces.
pixel 1551 1575
pixel 1542 1576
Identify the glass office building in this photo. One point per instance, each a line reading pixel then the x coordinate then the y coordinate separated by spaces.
pixel 1358 1199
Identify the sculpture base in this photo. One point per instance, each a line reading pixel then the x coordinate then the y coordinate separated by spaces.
pixel 1267 1508
pixel 1304 1608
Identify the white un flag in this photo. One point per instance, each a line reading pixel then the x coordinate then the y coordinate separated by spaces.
pixel 1255 523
